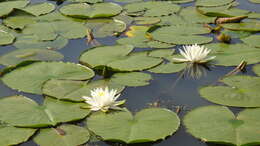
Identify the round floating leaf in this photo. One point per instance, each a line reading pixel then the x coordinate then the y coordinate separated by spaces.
pixel 20 55
pixel 218 124
pixel 19 19
pixel 24 112
pixel 6 38
pixel 233 54
pixel 212 3
pixel 255 1
pixel 256 69
pixel 236 34
pixel 105 27
pixel 83 10
pixel 101 56
pixel 31 42
pixel 64 135
pixel 131 79
pixel 30 78
pixel 191 15
pixel 181 39
pixel 152 8
pixel 223 11
pixel 147 125
pixel 43 30
pixel 7 7
pixel 182 29
pixel 74 90
pixel 252 40
pixel 12 135
pixel 242 91
pixel 39 8
pixel 162 53
pixel 146 20
pixel 245 26
pixel 168 68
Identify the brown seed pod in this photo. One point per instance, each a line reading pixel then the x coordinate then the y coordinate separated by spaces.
pixel 230 19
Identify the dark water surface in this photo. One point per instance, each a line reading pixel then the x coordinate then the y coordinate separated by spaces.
pixel 166 90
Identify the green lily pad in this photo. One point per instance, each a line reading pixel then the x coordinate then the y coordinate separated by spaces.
pixel 75 90
pixel 83 10
pixel 162 53
pixel 146 126
pixel 256 69
pixel 19 19
pixel 236 34
pixel 233 54
pixel 255 1
pixel 191 15
pixel 27 113
pixel 38 9
pixel 43 30
pixel 242 91
pixel 17 56
pixel 152 8
pixel 166 68
pixel 86 1
pixel 12 135
pixel 213 3
pixel 132 79
pixel 7 7
pixel 223 11
pixel 219 125
pixel 30 78
pixel 245 26
pixel 146 20
pixel 69 135
pixel 171 20
pixel 31 42
pixel 105 27
pixel 252 40
pixel 6 38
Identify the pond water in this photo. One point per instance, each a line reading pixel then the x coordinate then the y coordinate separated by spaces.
pixel 172 91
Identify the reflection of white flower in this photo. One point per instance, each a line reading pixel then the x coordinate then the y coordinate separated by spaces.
pixel 195 71
pixel 103 99
pixel 195 54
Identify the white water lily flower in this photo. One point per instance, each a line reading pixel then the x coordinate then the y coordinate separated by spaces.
pixel 195 54
pixel 103 99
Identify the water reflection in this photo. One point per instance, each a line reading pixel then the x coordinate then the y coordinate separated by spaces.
pixel 196 71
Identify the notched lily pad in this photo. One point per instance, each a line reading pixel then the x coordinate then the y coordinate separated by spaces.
pixel 83 10
pixel 241 91
pixel 75 90
pixel 30 78
pixel 133 79
pixel 213 3
pixel 138 128
pixel 6 38
pixel 7 7
pixel 20 55
pixel 244 26
pixel 27 113
pixel 11 135
pixel 218 124
pixel 252 40
pixel 69 135
pixel 38 9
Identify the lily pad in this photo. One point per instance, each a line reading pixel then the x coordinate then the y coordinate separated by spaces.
pixel 83 10
pixel 19 19
pixel 105 27
pixel 20 55
pixel 143 127
pixel 255 1
pixel 223 11
pixel 31 42
pixel 38 9
pixel 6 38
pixel 256 69
pixel 30 78
pixel 152 8
pixel 167 68
pixel 191 15
pixel 132 79
pixel 252 40
pixel 242 91
pixel 27 113
pixel 245 26
pixel 219 125
pixel 74 90
pixel 213 3
pixel 7 7
pixel 12 135
pixel 69 135
pixel 233 54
